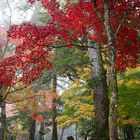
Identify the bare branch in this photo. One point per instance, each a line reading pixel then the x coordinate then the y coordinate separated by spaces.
pixel 121 23
pixel 8 92
pixel 10 20
pixel 24 99
pixel 66 45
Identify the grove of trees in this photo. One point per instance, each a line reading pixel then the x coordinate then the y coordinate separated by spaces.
pixel 75 64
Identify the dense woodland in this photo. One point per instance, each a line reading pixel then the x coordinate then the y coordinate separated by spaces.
pixel 70 70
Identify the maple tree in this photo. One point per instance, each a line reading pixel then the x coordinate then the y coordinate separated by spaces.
pixel 32 103
pixel 83 24
pixel 31 107
pixel 45 36
pixel 3 54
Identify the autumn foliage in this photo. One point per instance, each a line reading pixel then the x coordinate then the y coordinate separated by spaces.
pixel 33 104
pixel 67 26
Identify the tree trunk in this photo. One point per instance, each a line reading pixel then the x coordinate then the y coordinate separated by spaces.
pixel 100 91
pixel 2 118
pixel 42 131
pixel 54 126
pixel 3 121
pixel 76 129
pixel 61 137
pixel 112 76
pixel 128 132
pixel 54 113
pixel 32 129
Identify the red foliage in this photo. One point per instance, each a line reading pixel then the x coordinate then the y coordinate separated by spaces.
pixel 69 25
pixel 30 58
pixel 43 104
pixel 39 118
pixel 77 19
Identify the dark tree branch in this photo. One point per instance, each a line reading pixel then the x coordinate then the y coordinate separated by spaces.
pixel 97 10
pixel 80 46
pixel 24 99
pixel 9 92
pixel 121 23
pixel 1 100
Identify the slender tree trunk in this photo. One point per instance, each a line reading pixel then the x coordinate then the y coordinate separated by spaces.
pixel 54 114
pixel 100 91
pixel 32 129
pixel 3 121
pixel 42 131
pixel 41 137
pixel 112 76
pixel 76 132
pixel 61 137
pixel 86 136
pixel 54 126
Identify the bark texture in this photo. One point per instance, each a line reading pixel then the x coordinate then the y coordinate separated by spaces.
pixel 54 126
pixel 3 121
pixel 100 91
pixel 61 137
pixel 42 131
pixel 32 129
pixel 54 114
pixel 113 132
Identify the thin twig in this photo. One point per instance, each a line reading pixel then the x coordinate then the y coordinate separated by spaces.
pixel 20 100
pixel 121 23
